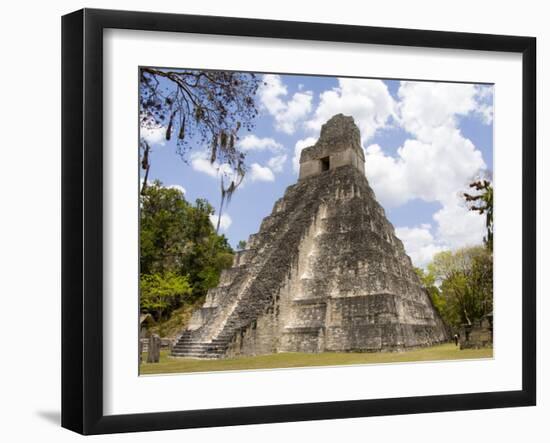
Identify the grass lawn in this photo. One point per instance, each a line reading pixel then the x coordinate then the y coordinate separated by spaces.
pixel 171 365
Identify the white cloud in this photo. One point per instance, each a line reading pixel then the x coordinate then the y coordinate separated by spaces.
pixel 425 107
pixel 484 96
pixel 154 136
pixel 484 92
pixel 270 93
pixel 296 110
pixel 300 145
pixel 256 172
pixel 429 171
pixel 457 226
pixel 440 160
pixel 225 221
pixel 201 163
pixel 434 165
pixel 486 113
pixel 277 162
pixel 152 182
pixel 368 101
pixel 260 173
pixel 253 143
pixel 287 114
pixel 386 176
pixel 419 243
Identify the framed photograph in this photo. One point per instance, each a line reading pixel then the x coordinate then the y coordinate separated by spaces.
pixel 269 221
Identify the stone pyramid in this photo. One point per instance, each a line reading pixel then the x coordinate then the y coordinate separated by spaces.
pixel 324 273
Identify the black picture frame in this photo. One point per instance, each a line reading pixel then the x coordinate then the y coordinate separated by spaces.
pixel 82 218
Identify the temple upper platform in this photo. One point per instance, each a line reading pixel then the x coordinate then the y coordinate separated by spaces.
pixel 339 145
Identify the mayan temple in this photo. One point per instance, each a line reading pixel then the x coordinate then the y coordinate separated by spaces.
pixel 324 273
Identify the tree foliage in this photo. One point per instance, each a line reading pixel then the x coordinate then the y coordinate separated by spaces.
pixel 181 255
pixel 460 284
pixel 429 282
pixel 162 293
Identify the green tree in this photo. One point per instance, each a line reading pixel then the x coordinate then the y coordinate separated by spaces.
pixel 177 239
pixel 241 245
pixel 429 283
pixel 165 218
pixel 161 293
pixel 211 264
pixel 465 282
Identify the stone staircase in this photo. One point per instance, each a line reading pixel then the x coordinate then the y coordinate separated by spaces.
pixel 192 345
pixel 232 305
pixel 189 347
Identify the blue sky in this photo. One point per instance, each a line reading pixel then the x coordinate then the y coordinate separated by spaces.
pixel 424 141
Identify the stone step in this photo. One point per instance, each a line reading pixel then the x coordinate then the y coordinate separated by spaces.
pixel 203 350
pixel 199 348
pixel 201 343
pixel 302 329
pixel 196 355
pixel 253 240
pixel 228 275
pixel 191 340
pixel 196 343
pixel 243 257
pixel 209 349
pixel 223 337
pixel 311 301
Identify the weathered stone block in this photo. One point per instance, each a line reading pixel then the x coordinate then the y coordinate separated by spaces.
pixel 153 351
